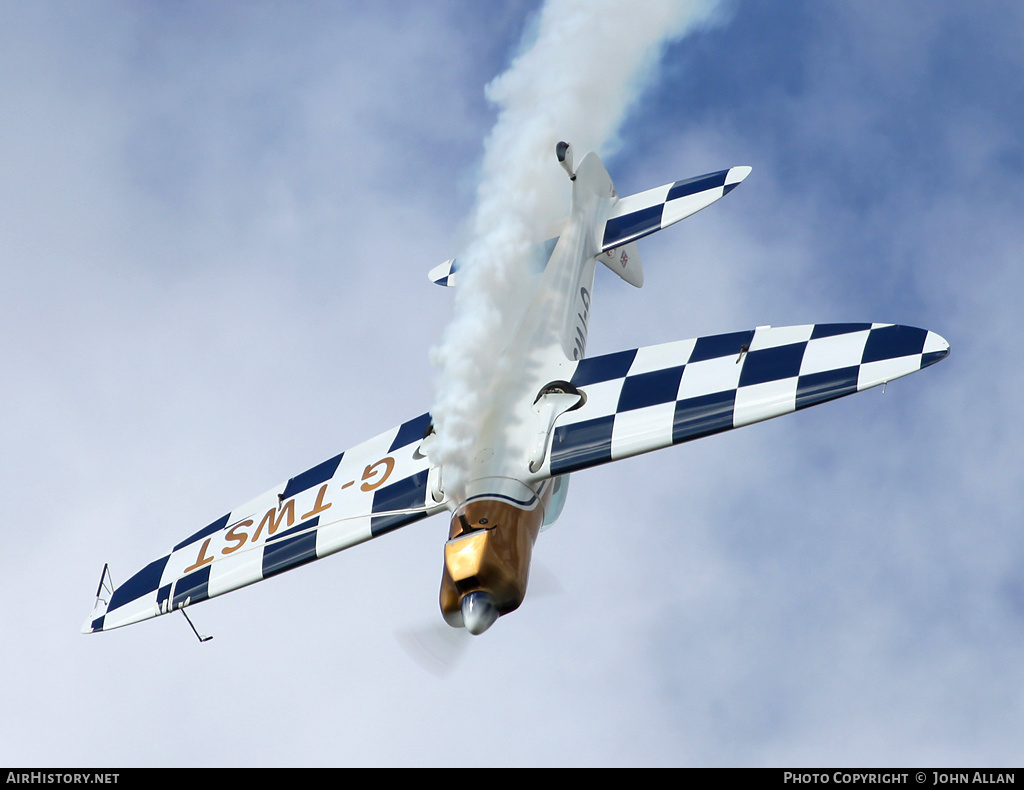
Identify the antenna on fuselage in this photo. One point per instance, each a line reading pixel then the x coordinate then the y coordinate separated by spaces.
pixel 564 153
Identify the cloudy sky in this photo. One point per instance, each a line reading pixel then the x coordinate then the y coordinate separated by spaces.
pixel 215 226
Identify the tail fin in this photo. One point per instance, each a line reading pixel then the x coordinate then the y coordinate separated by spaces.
pixel 624 260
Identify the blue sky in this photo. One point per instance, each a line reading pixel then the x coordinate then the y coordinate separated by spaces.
pixel 215 227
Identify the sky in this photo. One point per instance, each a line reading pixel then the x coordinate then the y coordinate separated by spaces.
pixel 215 226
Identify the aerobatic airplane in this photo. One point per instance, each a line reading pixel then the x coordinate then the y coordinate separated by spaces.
pixel 566 412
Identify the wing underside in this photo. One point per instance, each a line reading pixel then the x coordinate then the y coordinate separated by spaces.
pixel 653 397
pixel 374 488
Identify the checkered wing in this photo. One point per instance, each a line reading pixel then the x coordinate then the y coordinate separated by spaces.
pixel 653 397
pixel 374 488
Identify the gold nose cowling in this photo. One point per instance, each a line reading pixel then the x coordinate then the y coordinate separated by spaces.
pixel 487 560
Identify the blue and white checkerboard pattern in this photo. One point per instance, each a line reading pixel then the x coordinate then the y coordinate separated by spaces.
pixel 218 559
pixel 637 401
pixel 657 396
pixel 644 213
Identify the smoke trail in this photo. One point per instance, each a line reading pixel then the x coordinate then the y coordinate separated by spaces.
pixel 582 66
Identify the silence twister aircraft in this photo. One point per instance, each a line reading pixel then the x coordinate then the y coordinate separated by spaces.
pixel 566 413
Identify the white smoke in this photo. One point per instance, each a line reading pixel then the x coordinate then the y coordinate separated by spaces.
pixel 583 64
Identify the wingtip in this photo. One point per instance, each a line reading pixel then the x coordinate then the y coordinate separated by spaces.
pixel 737 174
pixel 936 348
pixel 94 622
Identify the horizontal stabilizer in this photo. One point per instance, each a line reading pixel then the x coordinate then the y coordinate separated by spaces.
pixel 644 213
pixel 653 397
pixel 444 273
pixel 625 262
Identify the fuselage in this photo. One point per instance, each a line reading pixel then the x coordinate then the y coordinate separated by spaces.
pixel 497 517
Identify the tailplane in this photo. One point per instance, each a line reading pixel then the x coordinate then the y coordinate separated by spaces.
pixel 634 217
pixel 647 212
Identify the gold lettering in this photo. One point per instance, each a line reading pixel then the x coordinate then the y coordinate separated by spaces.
pixel 389 465
pixel 273 519
pixel 319 506
pixel 202 559
pixel 235 535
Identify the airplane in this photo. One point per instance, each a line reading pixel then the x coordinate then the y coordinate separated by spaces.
pixel 562 413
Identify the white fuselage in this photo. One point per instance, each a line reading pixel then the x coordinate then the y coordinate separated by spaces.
pixel 497 517
pixel 548 341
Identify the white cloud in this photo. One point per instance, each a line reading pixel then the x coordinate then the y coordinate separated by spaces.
pixel 181 331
